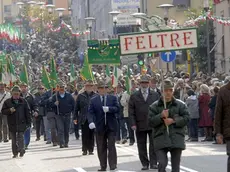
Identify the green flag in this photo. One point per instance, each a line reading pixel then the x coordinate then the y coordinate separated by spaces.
pixel 86 71
pixel 11 70
pixel 1 72
pixel 128 82
pixel 24 75
pixel 45 78
pixel 53 73
pixel 108 76
pixel 72 73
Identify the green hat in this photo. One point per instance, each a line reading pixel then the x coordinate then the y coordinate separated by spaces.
pixel 102 84
pixel 16 88
pixel 61 84
pixel 144 78
pixel 167 84
pixel 89 82
pixel 23 84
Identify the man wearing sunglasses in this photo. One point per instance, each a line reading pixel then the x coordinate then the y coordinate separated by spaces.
pixel 64 104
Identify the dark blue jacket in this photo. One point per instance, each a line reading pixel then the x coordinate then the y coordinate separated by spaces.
pixel 66 104
pixel 97 115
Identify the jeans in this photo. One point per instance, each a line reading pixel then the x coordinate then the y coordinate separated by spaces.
pixel 17 142
pixel 27 134
pixel 163 159
pixel 121 130
pixel 47 129
pixel 63 124
pixel 193 128
pixel 3 127
pixel 52 123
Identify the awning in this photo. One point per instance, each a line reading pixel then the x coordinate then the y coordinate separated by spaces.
pixel 181 2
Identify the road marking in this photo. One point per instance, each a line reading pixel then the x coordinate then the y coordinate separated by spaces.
pixel 79 169
pixel 169 166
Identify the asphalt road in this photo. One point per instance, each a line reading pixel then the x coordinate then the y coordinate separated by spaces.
pixel 198 157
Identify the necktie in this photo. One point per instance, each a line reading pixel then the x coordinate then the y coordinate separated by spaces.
pixel 145 95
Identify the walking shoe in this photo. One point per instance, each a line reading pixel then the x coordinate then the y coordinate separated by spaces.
pixel 15 156
pixel 62 146
pixel 55 144
pixel 145 168
pixel 48 142
pixel 102 169
pixel 91 153
pixel 5 141
pixel 26 147
pixel 37 139
pixel 154 167
pixel 124 141
pixel 118 142
pixel 22 153
pixel 131 143
pixel 66 145
pixel 84 153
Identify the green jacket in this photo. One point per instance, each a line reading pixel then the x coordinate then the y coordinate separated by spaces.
pixel 176 136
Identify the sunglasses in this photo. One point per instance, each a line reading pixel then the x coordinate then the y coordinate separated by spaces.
pixel 41 88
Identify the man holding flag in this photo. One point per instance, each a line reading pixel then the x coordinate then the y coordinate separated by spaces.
pixel 168 127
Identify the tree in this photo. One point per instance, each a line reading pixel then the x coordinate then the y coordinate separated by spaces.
pixel 199 55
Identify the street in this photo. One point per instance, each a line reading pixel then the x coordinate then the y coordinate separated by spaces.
pixel 199 157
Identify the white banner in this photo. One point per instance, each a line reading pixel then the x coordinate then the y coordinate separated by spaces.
pixel 127 7
pixel 158 41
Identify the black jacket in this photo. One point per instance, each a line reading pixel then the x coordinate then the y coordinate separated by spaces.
pixel 32 103
pixel 139 109
pixel 82 106
pixel 41 108
pixel 21 118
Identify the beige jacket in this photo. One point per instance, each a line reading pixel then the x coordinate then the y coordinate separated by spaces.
pixel 125 103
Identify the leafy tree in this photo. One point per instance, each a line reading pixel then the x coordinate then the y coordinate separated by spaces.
pixel 199 55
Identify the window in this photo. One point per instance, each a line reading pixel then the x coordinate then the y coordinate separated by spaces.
pixel 50 2
pixel 7 10
pixel 181 3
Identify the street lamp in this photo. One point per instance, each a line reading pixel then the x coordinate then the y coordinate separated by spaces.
pixel 50 8
pixel 31 3
pixel 206 9
pixel 60 11
pixel 89 22
pixel 166 8
pixel 138 17
pixel 20 4
pixel 114 14
pixel 41 3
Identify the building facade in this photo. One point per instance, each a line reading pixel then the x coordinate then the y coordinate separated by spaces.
pixel 222 52
pixel 176 13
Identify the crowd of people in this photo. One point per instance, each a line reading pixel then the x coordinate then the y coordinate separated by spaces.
pixel 164 111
